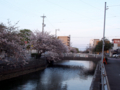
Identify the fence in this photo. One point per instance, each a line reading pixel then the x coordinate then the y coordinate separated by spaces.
pixel 80 55
pixel 104 79
pixel 104 84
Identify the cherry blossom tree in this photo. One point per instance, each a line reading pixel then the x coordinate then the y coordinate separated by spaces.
pixel 11 45
pixel 73 50
pixel 44 42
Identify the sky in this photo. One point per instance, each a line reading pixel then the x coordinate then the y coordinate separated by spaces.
pixel 81 19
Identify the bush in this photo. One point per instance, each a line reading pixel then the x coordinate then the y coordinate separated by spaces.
pixel 36 55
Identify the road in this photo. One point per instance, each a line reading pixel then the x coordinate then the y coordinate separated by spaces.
pixel 113 73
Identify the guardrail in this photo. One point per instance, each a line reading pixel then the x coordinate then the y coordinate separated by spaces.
pixel 80 55
pixel 104 79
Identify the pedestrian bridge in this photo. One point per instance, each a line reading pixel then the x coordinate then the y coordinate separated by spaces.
pixel 87 57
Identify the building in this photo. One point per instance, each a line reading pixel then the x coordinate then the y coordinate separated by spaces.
pixel 116 44
pixel 94 42
pixel 65 40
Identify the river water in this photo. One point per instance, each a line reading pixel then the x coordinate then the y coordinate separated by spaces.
pixel 65 75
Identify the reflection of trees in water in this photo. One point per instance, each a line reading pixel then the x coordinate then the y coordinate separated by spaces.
pixel 51 81
pixel 83 71
pixel 19 83
pixel 52 78
pixel 56 75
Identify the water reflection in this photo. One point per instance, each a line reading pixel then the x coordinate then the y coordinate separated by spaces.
pixel 67 75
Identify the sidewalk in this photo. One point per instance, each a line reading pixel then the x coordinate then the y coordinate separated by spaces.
pixel 113 73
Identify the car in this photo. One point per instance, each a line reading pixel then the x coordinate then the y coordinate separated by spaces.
pixel 115 55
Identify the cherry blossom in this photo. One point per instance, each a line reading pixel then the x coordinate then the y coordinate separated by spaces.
pixel 11 45
pixel 44 42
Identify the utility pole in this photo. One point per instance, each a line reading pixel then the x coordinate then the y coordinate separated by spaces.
pixel 69 41
pixel 104 33
pixel 56 32
pixel 43 25
pixel 102 65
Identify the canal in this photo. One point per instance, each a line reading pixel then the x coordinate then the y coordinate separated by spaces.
pixel 65 75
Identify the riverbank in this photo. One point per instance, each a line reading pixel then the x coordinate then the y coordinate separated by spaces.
pixel 67 75
pixel 8 71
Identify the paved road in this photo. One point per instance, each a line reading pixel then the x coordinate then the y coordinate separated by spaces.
pixel 113 73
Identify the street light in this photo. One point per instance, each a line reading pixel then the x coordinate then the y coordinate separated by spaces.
pixel 56 32
pixel 104 33
pixel 102 65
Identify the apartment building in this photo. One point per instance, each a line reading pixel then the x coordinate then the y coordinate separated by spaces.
pixel 94 42
pixel 65 40
pixel 116 44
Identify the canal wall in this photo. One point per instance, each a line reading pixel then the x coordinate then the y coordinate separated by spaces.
pixel 10 71
pixel 96 81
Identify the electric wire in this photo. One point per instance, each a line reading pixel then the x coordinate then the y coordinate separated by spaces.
pixel 85 16
pixel 16 5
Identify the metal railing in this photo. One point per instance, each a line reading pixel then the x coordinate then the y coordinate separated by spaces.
pixel 80 55
pixel 104 78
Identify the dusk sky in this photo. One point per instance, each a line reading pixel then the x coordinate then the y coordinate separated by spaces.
pixel 81 19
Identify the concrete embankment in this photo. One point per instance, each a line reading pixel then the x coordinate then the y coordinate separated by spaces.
pixel 9 71
pixel 96 82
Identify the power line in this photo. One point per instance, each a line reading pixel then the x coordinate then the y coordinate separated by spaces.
pixel 61 7
pixel 98 8
pixel 90 5
pixel 50 23
pixel 114 5
pixel 96 37
pixel 22 9
pixel 70 10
